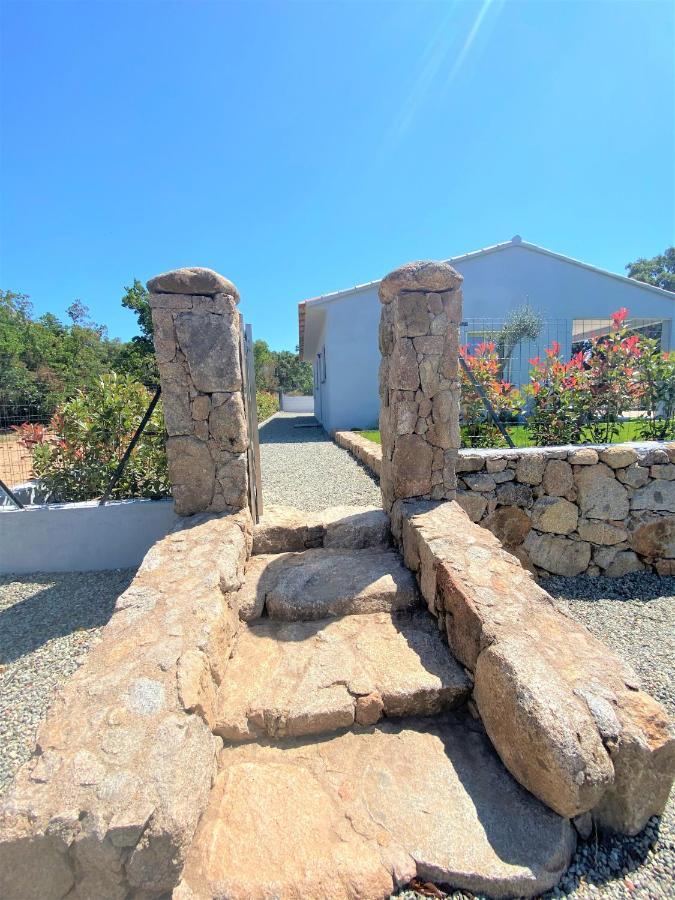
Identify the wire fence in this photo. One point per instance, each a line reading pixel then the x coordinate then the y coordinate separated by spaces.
pixel 571 335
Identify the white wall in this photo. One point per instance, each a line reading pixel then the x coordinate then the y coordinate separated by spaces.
pixel 81 537
pixel 494 283
pixel 297 404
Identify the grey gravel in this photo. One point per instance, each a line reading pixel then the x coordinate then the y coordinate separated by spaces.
pixel 47 625
pixel 302 467
pixel 635 615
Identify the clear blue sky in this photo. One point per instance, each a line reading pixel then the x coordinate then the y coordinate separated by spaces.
pixel 300 148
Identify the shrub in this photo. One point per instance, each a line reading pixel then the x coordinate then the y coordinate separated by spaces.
pixel 556 390
pixel 479 429
pixel 656 374
pixel 267 403
pixel 92 431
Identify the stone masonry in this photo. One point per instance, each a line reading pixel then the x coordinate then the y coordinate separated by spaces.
pixel 197 344
pixel 419 387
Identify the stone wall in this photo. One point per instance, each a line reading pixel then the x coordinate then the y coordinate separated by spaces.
pixel 367 451
pixel 419 387
pixel 109 802
pixel 565 714
pixel 576 510
pixel 197 345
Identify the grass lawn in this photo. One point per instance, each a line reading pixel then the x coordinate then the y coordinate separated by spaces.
pixel 628 431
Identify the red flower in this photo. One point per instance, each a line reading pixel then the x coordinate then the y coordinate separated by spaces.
pixel 619 317
pixel 534 361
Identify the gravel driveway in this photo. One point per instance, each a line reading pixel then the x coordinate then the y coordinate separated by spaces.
pixel 302 467
pixel 47 625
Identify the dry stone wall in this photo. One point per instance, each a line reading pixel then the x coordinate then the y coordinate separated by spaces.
pixel 604 510
pixel 108 804
pixel 197 345
pixel 419 387
pixel 565 714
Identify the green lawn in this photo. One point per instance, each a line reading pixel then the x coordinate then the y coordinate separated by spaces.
pixel 628 431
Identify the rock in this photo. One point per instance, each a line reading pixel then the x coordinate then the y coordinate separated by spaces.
pixel 192 280
pixel 554 514
pixel 192 474
pixel 558 555
pixel 506 475
pixel 480 482
pixel 320 583
pixel 510 524
pixel 657 496
pixel 349 813
pixel 473 504
pixel 261 569
pixel 600 496
pixel 495 464
pixel 549 694
pixel 618 457
pixel 655 538
pixel 355 527
pixel 634 476
pixel 583 456
pixel 652 456
pixel 598 532
pixel 530 468
pixel 664 567
pixel 512 494
pixel 425 276
pixel 284 528
pixel 404 372
pixel 300 678
pixel 624 561
pixel 211 345
pixel 558 478
pixel 665 472
pixel 108 804
pixel 227 424
pixel 412 319
pixel 412 466
pixel 469 462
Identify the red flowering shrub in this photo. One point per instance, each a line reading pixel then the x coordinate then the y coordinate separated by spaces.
pixel 557 390
pixel 479 430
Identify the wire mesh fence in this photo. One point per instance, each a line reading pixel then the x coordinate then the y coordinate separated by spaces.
pixel 21 426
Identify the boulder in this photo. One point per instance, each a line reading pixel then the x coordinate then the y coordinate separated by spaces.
pixel 583 456
pixel 618 457
pixel 513 494
pixel 634 476
pixel 558 555
pixel 411 464
pixel 211 345
pixel 554 514
pixel 530 468
pixel 227 422
pixel 598 532
pixel 510 524
pixel 355 527
pixel 599 494
pixel 657 496
pixel 192 280
pixel 425 276
pixel 665 472
pixel 469 462
pixel 474 505
pixel 558 478
pixel 192 474
pixel 404 370
pixel 284 528
pixel 481 482
pixel 655 539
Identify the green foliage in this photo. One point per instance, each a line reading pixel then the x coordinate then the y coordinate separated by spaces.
pixel 137 358
pixel 281 370
pixel 267 404
pixel 506 401
pixel 657 384
pixel 91 432
pixel 659 270
pixel 522 324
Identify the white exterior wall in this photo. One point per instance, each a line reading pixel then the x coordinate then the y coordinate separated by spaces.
pixel 81 537
pixel 494 283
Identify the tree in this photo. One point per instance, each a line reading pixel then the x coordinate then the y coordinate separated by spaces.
pixel 521 324
pixel 293 373
pixel 659 270
pixel 137 358
pixel 265 363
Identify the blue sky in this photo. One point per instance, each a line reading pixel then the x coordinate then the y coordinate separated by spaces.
pixel 300 148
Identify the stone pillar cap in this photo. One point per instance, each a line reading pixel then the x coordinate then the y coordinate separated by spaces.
pixel 423 275
pixel 192 280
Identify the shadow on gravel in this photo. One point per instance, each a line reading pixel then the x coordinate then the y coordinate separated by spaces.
pixel 69 602
pixel 636 586
pixel 285 430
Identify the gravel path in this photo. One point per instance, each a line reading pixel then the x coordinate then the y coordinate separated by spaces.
pixel 302 467
pixel 47 625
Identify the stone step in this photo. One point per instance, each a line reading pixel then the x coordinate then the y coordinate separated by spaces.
pixel 320 583
pixel 302 678
pixel 354 816
pixel 284 528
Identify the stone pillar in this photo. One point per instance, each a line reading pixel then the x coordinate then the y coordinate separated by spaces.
pixel 419 382
pixel 197 344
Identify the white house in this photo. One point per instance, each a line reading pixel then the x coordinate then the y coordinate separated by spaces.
pixel 339 331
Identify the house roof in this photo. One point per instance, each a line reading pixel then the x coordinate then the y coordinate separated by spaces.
pixel 515 241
